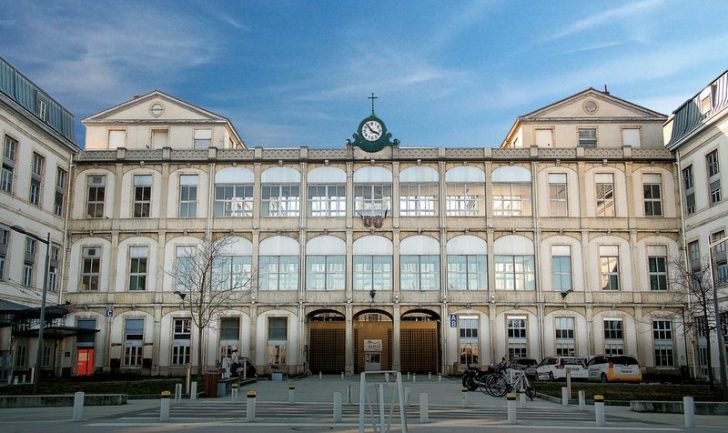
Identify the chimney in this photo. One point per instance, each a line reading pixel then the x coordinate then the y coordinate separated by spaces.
pixel 606 91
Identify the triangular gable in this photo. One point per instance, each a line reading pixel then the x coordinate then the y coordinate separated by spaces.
pixel 137 109
pixel 609 106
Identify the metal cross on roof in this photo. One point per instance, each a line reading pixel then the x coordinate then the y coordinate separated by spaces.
pixel 373 98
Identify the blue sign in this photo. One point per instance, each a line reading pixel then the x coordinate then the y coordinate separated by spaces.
pixel 109 312
pixel 453 321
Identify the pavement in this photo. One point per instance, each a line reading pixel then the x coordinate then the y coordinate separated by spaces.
pixel 313 412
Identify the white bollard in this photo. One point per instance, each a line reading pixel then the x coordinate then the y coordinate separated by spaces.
pixel 564 396
pixel 380 399
pixel 429 376
pixel 177 392
pixel 188 379
pixel 234 391
pixel 193 390
pixel 582 400
pixel 406 395
pixel 414 378
pixel 464 398
pixel 321 375
pixel 23 379
pixel 349 395
pixel 439 377
pixel 386 377
pixel 337 407
pixel 342 375
pixel 689 411
pixel 250 406
pixel 15 380
pixel 408 375
pixel 512 417
pixel 568 382
pixel 291 394
pixel 164 406
pixel 522 400
pixel 78 406
pixel 424 408
pixel 599 410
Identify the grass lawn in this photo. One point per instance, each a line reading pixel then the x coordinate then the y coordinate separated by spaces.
pixel 629 391
pixel 132 387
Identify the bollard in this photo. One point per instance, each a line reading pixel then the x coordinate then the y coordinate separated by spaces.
pixel 337 407
pixel 250 406
pixel 429 376
pixel 568 382
pixel 15 380
pixel 424 409
pixel 342 375
pixel 193 390
pixel 582 400
pixel 464 398
pixel 522 400
pixel 564 396
pixel 177 392
pixel 164 406
pixel 414 378
pixel 234 391
pixel 23 379
pixel 512 418
pixel 439 377
pixel 321 375
pixel 291 394
pixel 689 411
pixel 599 410
pixel 78 406
pixel 408 375
pixel 406 395
pixel 188 379
pixel 386 377
pixel 349 395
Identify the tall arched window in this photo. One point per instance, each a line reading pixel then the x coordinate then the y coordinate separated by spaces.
pixel 325 263
pixel 280 195
pixel 419 263
pixel 373 263
pixel 278 264
pixel 234 192
pixel 326 192
pixel 467 263
pixel 418 191
pixel 514 264
pixel 372 190
pixel 511 191
pixel 465 191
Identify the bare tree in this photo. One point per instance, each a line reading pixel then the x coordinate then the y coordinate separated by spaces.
pixel 209 278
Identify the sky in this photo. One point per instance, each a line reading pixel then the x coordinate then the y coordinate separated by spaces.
pixel 298 73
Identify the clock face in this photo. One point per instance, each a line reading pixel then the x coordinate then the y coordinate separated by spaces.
pixel 372 130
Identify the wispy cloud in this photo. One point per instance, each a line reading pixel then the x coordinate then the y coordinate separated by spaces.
pixel 629 10
pixel 593 47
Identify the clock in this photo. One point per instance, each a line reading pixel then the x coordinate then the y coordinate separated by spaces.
pixel 371 130
pixel 590 107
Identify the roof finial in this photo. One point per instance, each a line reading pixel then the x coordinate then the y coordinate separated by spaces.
pixel 606 91
pixel 373 98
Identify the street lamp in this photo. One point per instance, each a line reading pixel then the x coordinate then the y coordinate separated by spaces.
pixel 716 313
pixel 39 353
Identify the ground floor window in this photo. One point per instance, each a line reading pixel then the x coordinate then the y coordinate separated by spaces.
pixel 229 336
pixel 277 340
pixel 613 337
pixel 468 333
pixel 517 340
pixel 565 341
pixel 20 355
pixel 181 341
pixel 662 333
pixel 133 342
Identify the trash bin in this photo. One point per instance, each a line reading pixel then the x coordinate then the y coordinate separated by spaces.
pixel 221 389
pixel 212 377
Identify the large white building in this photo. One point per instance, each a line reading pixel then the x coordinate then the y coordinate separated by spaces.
pixel 374 254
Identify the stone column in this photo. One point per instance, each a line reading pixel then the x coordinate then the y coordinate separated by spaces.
pixel 395 337
pixel 349 356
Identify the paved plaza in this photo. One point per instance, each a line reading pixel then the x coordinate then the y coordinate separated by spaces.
pixel 313 412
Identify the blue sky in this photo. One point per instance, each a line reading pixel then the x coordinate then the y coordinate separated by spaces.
pixel 293 73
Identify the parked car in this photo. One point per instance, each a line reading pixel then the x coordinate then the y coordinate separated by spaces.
pixel 555 368
pixel 614 368
pixel 527 364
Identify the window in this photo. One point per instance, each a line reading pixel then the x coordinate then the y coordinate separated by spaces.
pixel 138 268
pixel 687 177
pixel 133 342
pixel 96 188
pixel 711 160
pixel 203 138
pixel 185 269
pixel 464 199
pixel 327 200
pixel 715 194
pixel 188 196
pixel 657 267
pixel 694 255
pixel 605 194
pixel 565 339
pixel 558 202
pixel 515 273
pixel 53 268
pixel 512 199
pixel 61 176
pixel 117 138
pixel 90 269
pixel 662 333
pixel 160 138
pixel 280 200
pixel 468 333
pixel 687 174
pixel 229 336
pixel 36 178
pixel 373 273
pixel 613 337
pixel 234 200
pixel 517 337
pixel 30 247
pixel 561 267
pixel 4 240
pixel 544 138
pixel 86 339
pixel 20 355
pixel 609 267
pixel 588 137
pixel 181 341
pixel 652 194
pixel 8 164
pixel 325 272
pixel 467 272
pixel 232 272
pixel 418 199
pixel 277 340
pixel 631 137
pixel 713 165
pixel 720 259
pixel 372 197
pixel 278 273
pixel 142 195
pixel 42 108
pixel 419 272
pixel 47 356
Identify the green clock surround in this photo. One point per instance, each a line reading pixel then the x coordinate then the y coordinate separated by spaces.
pixel 372 135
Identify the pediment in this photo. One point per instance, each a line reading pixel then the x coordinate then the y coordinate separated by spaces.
pixel 593 104
pixel 139 109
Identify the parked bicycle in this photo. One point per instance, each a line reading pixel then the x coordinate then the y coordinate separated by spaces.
pixel 509 380
pixel 474 378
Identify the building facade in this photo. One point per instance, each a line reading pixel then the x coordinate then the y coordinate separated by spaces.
pixel 38 145
pixel 373 255
pixel 697 133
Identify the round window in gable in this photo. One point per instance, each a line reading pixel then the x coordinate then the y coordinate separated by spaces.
pixel 156 110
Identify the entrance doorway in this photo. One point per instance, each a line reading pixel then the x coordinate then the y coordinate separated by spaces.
pixel 85 363
pixel 372 361
pixel 372 341
pixel 326 341
pixel 420 342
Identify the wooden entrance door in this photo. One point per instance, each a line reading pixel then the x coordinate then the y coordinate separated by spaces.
pixel 327 347
pixel 419 348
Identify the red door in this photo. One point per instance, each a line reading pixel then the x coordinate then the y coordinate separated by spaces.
pixel 85 364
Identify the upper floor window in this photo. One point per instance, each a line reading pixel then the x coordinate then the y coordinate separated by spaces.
pixel 419 272
pixel 10 149
pixel 561 267
pixel 61 176
pixel 712 161
pixel 53 267
pixel 652 188
pixel 694 255
pixel 605 194
pixel 117 138
pixel 278 272
pixel 36 178
pixel 687 175
pixel 188 196
pixel 511 191
pixel 465 191
pixel 418 191
pixel 515 273
pixel 160 138
pixel 372 263
pixel 544 137
pixel 325 272
pixel 327 200
pixel 138 257
pixel 4 240
pixel 705 104
pixel 631 137
pixel 96 191
pixel 372 190
pixel 232 272
pixel 588 137
pixel 467 263
pixel 281 200
pixel 203 138
pixel 90 269
pixel 657 267
pixel 558 197
pixel 29 262
pixel 142 196
pixel 609 267
pixel 234 192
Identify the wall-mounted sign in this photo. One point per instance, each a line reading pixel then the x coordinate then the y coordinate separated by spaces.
pixel 372 345
pixel 453 321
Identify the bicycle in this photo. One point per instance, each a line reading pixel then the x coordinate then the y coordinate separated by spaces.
pixel 510 380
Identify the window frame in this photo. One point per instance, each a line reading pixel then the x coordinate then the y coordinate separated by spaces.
pixel 328 205
pixel 93 191
pixel 280 205
pixel 419 204
pixel 188 206
pixel 142 206
pixel 517 279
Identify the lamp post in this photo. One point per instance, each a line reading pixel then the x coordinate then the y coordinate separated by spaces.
pixel 41 325
pixel 716 313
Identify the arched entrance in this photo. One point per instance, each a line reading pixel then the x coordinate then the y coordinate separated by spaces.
pixel 372 341
pixel 327 341
pixel 420 342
